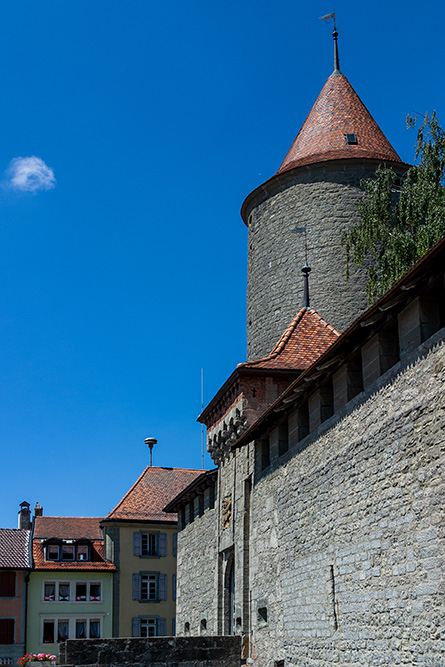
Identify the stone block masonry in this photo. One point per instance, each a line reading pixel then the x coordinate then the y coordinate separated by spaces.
pixel 155 651
pixel 324 201
pixel 351 531
pixel 338 544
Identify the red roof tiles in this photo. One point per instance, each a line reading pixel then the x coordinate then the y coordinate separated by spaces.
pixel 151 493
pixel 15 548
pixel 67 527
pixel 305 339
pixel 97 562
pixel 338 111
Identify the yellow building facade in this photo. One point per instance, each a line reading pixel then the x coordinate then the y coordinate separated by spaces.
pixel 140 539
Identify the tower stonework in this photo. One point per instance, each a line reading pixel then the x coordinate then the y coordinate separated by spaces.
pixel 305 208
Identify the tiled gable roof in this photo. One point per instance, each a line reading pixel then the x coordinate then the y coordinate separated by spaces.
pixel 305 339
pixel 151 493
pixel 337 111
pixel 67 527
pixel 15 548
pixel 97 562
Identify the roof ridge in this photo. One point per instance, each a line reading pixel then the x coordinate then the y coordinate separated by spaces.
pixel 47 516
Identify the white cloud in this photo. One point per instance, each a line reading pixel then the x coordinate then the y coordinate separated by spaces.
pixel 30 174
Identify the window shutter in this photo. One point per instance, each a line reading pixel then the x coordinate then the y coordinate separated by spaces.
pixel 174 587
pixel 136 627
pixel 162 586
pixel 162 623
pixel 175 544
pixel 173 627
pixel 137 544
pixel 136 586
pixel 162 544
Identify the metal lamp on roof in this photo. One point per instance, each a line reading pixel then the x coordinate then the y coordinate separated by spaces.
pixel 151 442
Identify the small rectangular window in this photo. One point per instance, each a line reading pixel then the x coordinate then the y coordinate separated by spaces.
pixel 81 592
pixel 64 592
pixel 62 630
pixel 94 629
pixel 82 552
pixel 49 592
pixel 148 627
pixel 149 587
pixel 67 552
pixel 7 584
pixel 52 552
pixel 351 139
pixel 149 544
pixel 95 592
pixel 81 629
pixel 48 632
pixel 7 630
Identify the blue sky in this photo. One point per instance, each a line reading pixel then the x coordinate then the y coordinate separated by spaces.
pixel 122 251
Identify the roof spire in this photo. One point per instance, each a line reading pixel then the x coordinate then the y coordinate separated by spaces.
pixel 306 271
pixel 329 18
pixel 336 58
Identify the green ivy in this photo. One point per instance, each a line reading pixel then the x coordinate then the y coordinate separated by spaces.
pixel 400 220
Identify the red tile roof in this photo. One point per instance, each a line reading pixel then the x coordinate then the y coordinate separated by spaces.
pixel 305 339
pixel 97 562
pixel 337 111
pixel 151 493
pixel 15 550
pixel 67 527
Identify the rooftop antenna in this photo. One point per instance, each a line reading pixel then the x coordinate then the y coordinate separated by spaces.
pixel 330 18
pixel 202 409
pixel 151 442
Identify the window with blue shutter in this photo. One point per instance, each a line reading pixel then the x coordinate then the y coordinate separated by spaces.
pixel 162 586
pixel 174 587
pixel 173 627
pixel 162 627
pixel 136 544
pixel 162 544
pixel 175 544
pixel 136 586
pixel 136 627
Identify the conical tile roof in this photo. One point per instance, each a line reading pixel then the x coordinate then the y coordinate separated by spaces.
pixel 337 112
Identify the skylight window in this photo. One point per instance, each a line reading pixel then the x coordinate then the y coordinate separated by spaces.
pixel 351 139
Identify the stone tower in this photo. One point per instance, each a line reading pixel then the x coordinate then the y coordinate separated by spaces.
pixel 307 205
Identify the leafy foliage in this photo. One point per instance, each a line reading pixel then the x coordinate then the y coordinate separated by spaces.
pixel 401 219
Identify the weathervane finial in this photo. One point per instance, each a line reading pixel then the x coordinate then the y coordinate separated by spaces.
pixel 329 18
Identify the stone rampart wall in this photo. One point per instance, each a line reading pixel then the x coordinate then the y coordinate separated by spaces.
pixel 338 545
pixel 156 651
pixel 196 600
pixel 348 533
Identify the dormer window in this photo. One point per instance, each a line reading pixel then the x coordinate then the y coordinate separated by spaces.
pixel 67 552
pixel 52 552
pixel 82 552
pixel 351 139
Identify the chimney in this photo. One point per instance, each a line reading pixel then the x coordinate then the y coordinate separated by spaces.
pixel 24 516
pixel 38 510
